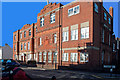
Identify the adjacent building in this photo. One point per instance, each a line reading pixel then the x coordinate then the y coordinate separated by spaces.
pixel 6 52
pixel 78 34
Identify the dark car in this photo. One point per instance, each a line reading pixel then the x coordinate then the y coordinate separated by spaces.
pixel 10 61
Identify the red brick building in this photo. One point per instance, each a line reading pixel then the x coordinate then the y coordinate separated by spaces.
pixel 78 34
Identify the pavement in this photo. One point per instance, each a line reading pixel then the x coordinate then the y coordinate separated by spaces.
pixel 44 74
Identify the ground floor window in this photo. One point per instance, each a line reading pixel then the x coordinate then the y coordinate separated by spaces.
pixel 74 57
pixel 15 56
pixel 40 57
pixel 55 57
pixel 49 57
pixel 44 57
pixel 65 57
pixel 84 57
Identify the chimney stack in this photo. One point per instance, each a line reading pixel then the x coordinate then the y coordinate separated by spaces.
pixel 111 11
pixel 47 2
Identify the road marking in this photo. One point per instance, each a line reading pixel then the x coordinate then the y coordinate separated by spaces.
pixel 97 76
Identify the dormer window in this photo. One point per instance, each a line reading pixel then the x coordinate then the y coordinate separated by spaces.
pixel 73 11
pixel 52 18
pixel 42 22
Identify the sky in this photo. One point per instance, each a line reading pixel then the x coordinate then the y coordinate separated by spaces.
pixel 13 15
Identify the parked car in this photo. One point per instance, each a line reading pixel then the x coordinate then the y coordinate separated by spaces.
pixel 10 71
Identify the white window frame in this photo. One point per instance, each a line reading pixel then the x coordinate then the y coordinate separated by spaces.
pixel 28 45
pixel 42 22
pixel 20 35
pixel 55 38
pixel 44 56
pixel 40 41
pixel 24 33
pixel 65 57
pixel 74 34
pixel 65 36
pixel 30 32
pixel 24 46
pixel 85 32
pixel 96 7
pixel 83 57
pixel 55 57
pixel 52 18
pixel 74 58
pixel 15 37
pixel 49 57
pixel 40 58
pixel 72 10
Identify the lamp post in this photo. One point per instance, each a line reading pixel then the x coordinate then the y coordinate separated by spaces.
pixel 78 52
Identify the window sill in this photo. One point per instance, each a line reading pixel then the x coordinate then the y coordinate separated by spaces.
pixel 52 22
pixel 84 38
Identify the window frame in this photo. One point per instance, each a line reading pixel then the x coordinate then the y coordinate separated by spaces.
pixel 65 36
pixel 72 57
pixel 42 22
pixel 30 32
pixel 52 18
pixel 74 34
pixel 84 32
pixel 65 57
pixel 24 34
pixel 73 10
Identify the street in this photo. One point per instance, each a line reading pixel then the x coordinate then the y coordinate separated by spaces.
pixel 43 74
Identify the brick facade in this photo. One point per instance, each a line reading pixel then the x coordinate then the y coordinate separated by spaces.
pixel 82 51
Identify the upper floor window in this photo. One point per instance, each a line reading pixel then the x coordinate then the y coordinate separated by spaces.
pixel 84 32
pixel 96 7
pixel 109 20
pixel 20 35
pixel 21 46
pixel 52 18
pixel 105 16
pixel 83 57
pixel 40 41
pixel 55 38
pixel 117 44
pixel 74 57
pixel 36 29
pixel 102 35
pixel 15 37
pixel 73 11
pixel 65 36
pixel 15 48
pixel 65 57
pixel 42 22
pixel 29 32
pixel 74 34
pixel 24 46
pixel 25 34
pixel 113 46
pixel 28 45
